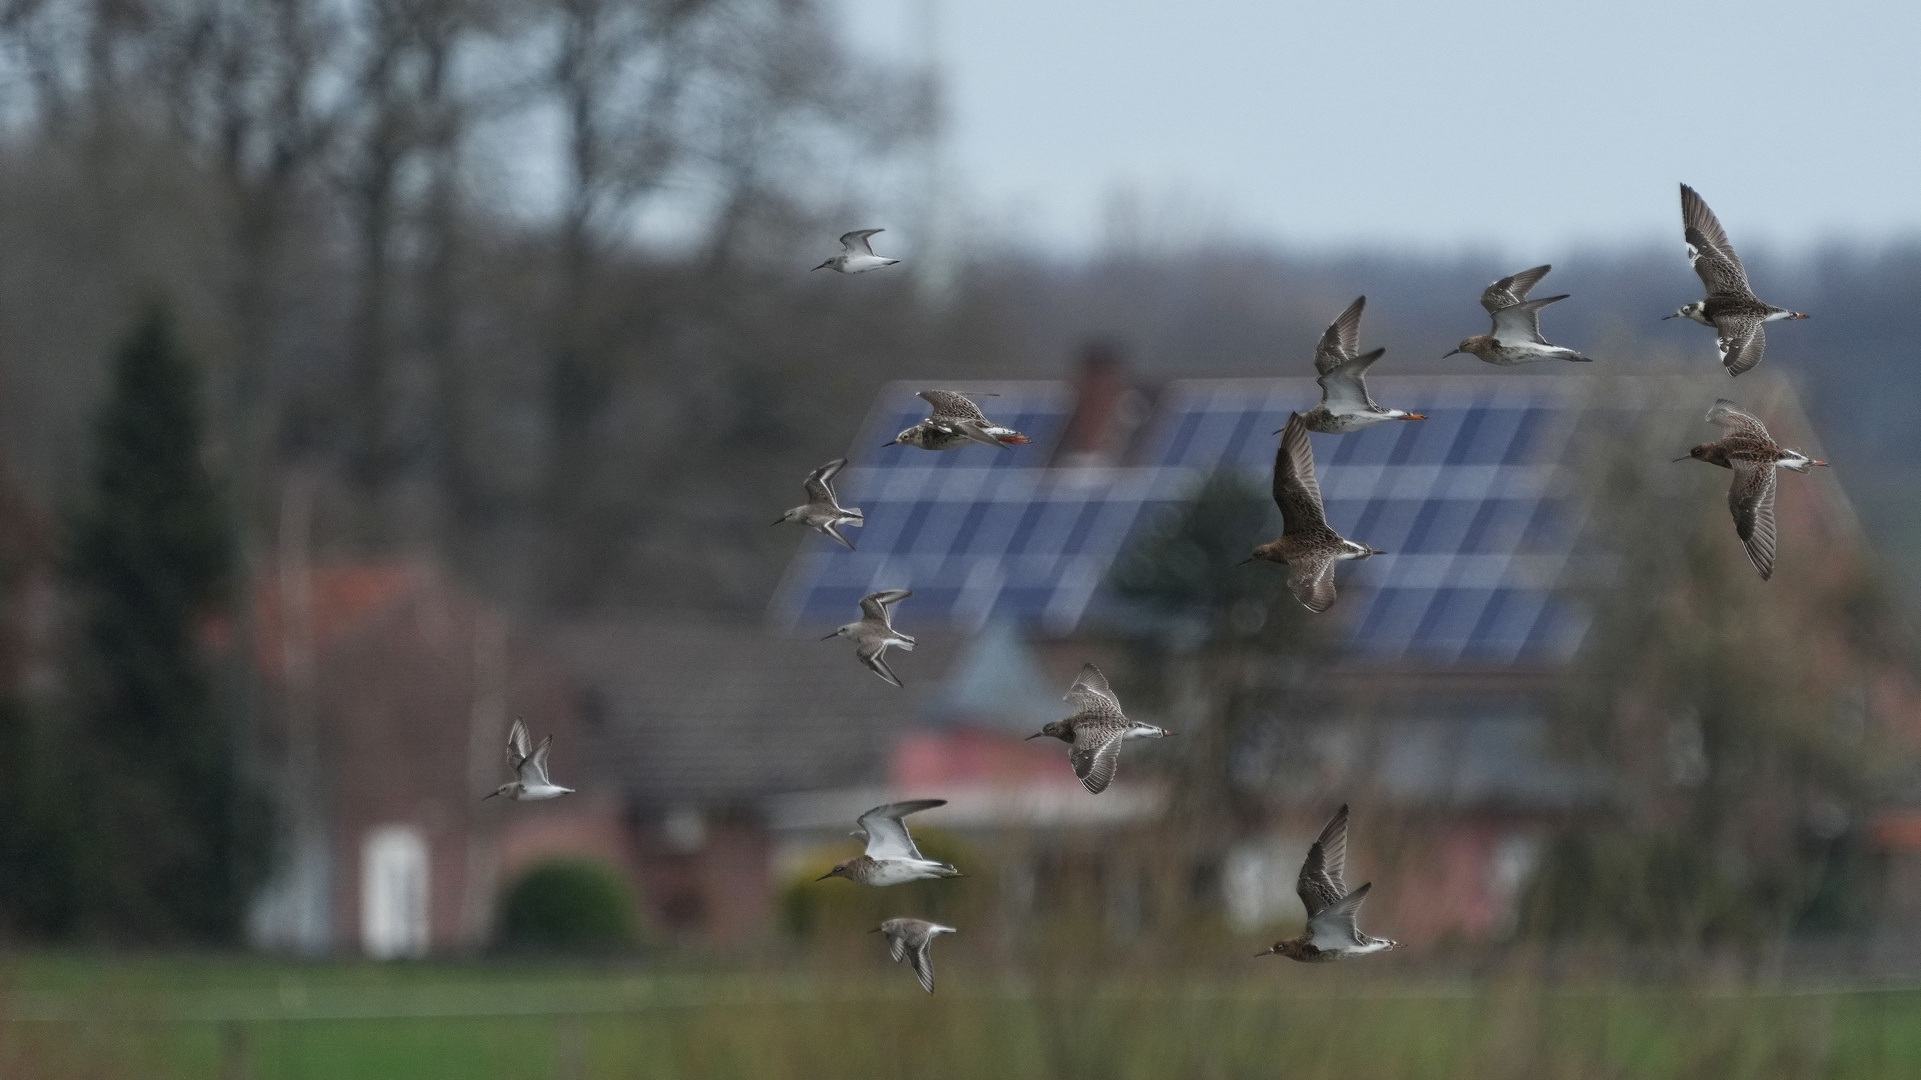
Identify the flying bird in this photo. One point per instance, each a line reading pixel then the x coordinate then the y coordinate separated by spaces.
pixel 1345 405
pixel 1731 307
pixel 530 769
pixel 955 421
pixel 1753 455
pixel 823 512
pixel 874 634
pixel 1331 932
pixel 1516 334
pixel 909 939
pixel 891 857
pixel 1096 730
pixel 1307 546
pixel 856 254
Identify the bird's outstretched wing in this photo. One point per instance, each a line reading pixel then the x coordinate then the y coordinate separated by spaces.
pixel 1096 754
pixel 1323 875
pixel 1751 499
pixel 874 655
pixel 1296 491
pixel 819 484
pixel 536 772
pixel 1311 580
pixel 857 242
pixel 886 835
pixel 1709 251
pixel 951 407
pixel 1336 927
pixel 1344 388
pixel 1091 694
pixel 1342 339
pixel 833 529
pixel 923 967
pixel 1740 340
pixel 1522 322
pixel 1512 289
pixel 519 747
pixel 1730 417
pixel 875 605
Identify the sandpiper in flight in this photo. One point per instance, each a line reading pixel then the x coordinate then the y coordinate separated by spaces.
pixel 1096 730
pixel 1752 453
pixel 1516 335
pixel 1331 932
pixel 1731 307
pixel 1345 405
pixel 909 938
pixel 955 421
pixel 823 512
pixel 856 254
pixel 891 857
pixel 530 769
pixel 1307 546
pixel 874 634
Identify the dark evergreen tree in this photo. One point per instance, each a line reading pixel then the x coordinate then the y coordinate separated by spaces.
pixel 168 836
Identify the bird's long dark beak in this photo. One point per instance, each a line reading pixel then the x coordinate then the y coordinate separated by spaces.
pixel 779 522
pixel 890 442
pixel 1245 561
pixel 831 636
pixel 1034 736
pixel 489 795
pixel 824 265
pixel 1446 355
pixel 825 876
pixel 1683 457
pixel 1665 318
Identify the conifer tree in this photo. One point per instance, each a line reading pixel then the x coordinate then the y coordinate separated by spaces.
pixel 168 838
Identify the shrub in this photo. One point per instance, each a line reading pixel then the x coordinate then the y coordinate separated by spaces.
pixel 569 904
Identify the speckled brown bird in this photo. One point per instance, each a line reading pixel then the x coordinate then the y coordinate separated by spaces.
pixel 1096 730
pixel 1752 453
pixel 1307 546
pixel 1345 404
pixel 1731 307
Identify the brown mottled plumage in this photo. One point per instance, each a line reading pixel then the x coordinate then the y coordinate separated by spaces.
pixel 1752 453
pixel 1306 546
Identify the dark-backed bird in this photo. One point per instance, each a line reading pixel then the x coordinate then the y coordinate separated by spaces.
pixel 1731 308
pixel 1306 546
pixel 955 421
pixel 1096 730
pixel 1752 453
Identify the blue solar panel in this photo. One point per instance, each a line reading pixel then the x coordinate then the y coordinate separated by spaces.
pixel 1462 501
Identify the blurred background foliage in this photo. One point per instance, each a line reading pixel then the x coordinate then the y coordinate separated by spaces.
pixel 570 905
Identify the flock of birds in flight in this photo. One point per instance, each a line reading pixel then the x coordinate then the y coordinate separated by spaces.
pixel 1307 546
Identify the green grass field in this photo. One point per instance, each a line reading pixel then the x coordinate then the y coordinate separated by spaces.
pixel 79 1017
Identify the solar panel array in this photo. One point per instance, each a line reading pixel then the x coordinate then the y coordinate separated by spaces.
pixel 1465 502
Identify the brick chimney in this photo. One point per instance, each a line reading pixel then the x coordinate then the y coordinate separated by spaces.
pixel 1106 410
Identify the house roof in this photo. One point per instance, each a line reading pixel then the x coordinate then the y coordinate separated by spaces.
pixel 694 711
pixel 1476 507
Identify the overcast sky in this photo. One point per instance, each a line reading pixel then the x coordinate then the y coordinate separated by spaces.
pixel 1437 126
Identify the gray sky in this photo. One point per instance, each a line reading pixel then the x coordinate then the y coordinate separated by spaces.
pixel 1483 124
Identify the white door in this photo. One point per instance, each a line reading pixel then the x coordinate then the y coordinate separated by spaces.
pixel 393 892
